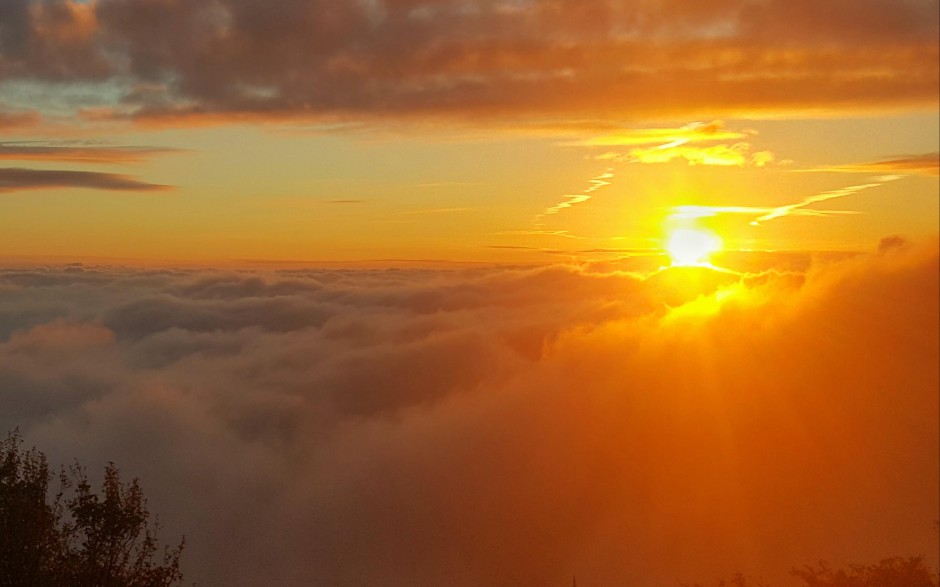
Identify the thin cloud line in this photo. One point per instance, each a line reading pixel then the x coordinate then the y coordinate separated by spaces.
pixel 766 213
pixel 596 183
pixel 540 232
pixel 927 164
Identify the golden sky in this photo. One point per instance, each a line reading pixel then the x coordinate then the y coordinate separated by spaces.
pixel 482 130
pixel 377 292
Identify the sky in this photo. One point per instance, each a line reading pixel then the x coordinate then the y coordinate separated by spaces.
pixel 231 131
pixel 482 292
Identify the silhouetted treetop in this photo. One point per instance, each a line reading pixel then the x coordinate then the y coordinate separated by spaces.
pixel 77 537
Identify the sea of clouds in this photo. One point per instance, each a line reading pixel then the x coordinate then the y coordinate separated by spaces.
pixel 499 425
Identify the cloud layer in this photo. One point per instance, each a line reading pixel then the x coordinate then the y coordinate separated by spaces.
pixel 245 59
pixel 508 426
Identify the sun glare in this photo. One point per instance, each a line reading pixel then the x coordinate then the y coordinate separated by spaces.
pixel 689 247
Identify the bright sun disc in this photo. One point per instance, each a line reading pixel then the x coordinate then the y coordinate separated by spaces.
pixel 691 246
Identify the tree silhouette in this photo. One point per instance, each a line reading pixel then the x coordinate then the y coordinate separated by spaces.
pixel 79 537
pixel 890 572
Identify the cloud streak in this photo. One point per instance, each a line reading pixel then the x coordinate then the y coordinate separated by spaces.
pixel 13 179
pixel 927 164
pixel 763 214
pixel 79 154
pixel 596 183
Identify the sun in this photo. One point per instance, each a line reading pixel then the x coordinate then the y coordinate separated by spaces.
pixel 689 247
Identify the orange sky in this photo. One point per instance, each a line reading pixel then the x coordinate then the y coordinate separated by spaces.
pixel 510 130
pixel 375 292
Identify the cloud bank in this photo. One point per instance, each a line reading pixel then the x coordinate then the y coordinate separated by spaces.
pixel 507 426
pixel 182 62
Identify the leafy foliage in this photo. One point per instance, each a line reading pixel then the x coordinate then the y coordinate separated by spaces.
pixel 79 537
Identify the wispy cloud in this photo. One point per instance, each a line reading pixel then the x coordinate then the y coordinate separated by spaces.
pixel 665 138
pixel 567 203
pixel 800 208
pixel 19 179
pixel 763 214
pixel 736 155
pixel 662 145
pixel 79 153
pixel 541 232
pixel 927 164
pixel 596 183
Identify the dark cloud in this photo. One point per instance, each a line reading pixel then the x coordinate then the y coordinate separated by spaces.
pixel 244 59
pixel 17 179
pixel 497 425
pixel 868 22
pixel 56 40
pixel 892 242
pixel 14 29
